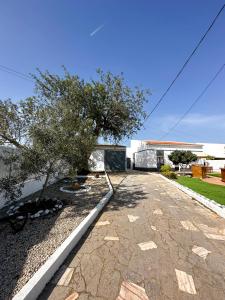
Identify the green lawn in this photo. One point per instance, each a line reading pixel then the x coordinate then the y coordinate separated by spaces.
pixel 215 174
pixel 211 191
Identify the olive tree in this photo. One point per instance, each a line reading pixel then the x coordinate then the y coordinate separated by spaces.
pixel 58 127
pixel 47 139
pixel 113 109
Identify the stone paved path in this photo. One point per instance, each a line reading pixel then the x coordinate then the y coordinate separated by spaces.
pixel 152 242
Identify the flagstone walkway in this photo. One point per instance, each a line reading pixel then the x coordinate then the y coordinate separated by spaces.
pixel 151 242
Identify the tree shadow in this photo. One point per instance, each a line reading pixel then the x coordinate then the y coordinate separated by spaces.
pixel 15 247
pixel 126 196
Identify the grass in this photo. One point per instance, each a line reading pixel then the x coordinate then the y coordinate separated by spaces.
pixel 211 191
pixel 215 174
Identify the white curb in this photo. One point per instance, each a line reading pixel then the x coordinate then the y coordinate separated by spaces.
pixel 33 288
pixel 211 204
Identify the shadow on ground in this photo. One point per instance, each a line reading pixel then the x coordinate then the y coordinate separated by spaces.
pixel 125 196
pixel 15 247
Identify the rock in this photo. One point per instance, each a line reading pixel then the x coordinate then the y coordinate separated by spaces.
pixel 54 209
pixel 20 217
pixel 40 211
pixel 37 215
pixel 60 206
pixel 46 211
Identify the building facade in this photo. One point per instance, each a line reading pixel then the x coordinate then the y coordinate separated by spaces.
pixel 150 155
pixel 108 158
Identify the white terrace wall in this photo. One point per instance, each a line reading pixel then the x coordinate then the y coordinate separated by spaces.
pixel 30 186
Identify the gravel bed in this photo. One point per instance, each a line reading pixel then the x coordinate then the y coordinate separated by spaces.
pixel 22 253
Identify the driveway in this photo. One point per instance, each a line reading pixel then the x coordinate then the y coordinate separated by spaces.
pixel 151 242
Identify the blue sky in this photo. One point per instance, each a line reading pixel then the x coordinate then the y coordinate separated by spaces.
pixel 147 40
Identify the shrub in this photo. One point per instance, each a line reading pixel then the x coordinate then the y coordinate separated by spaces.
pixel 170 174
pixel 165 168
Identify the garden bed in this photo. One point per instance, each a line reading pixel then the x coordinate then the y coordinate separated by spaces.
pixel 22 254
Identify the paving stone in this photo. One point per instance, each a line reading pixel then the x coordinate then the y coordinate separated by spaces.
pixel 215 236
pixel 132 218
pixel 153 228
pixel 66 277
pixel 73 296
pixel 111 238
pixel 131 291
pixel 185 282
pixel 200 251
pixel 188 225
pixel 102 223
pixel 147 245
pixel 157 212
pixel 122 256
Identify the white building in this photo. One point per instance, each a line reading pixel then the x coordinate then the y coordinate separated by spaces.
pixel 150 155
pixel 109 158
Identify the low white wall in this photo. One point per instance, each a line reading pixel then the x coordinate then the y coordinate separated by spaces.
pixel 30 186
pixel 216 164
pixel 146 159
pixel 98 161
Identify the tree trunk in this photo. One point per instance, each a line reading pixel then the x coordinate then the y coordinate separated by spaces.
pixel 45 183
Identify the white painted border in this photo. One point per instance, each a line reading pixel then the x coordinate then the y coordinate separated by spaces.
pixel 33 288
pixel 211 204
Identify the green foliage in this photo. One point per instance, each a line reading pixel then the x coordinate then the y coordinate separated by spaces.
pixel 165 168
pixel 114 109
pixel 169 174
pixel 182 157
pixel 215 174
pixel 58 128
pixel 210 157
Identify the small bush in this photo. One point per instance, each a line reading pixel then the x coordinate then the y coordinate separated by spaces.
pixel 165 168
pixel 170 174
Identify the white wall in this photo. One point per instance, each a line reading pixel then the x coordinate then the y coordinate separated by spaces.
pixel 217 150
pixel 97 157
pixel 166 158
pixel 30 186
pixel 146 159
pixel 216 164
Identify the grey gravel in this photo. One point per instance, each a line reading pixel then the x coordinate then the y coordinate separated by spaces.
pixel 23 253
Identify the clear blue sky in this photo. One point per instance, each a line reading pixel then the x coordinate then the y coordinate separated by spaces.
pixel 147 40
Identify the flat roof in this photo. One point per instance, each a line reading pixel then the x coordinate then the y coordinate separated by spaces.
pixel 110 146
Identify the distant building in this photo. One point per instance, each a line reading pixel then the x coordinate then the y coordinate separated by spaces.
pixel 108 158
pixel 150 155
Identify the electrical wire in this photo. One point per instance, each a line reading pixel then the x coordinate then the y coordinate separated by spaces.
pixel 186 62
pixel 195 102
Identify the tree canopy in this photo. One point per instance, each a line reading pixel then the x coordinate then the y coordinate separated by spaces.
pixel 58 127
pixel 182 157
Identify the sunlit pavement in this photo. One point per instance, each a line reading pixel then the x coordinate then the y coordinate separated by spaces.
pixel 151 242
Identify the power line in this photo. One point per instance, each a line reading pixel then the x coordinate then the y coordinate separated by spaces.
pixel 15 72
pixel 195 102
pixel 186 62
